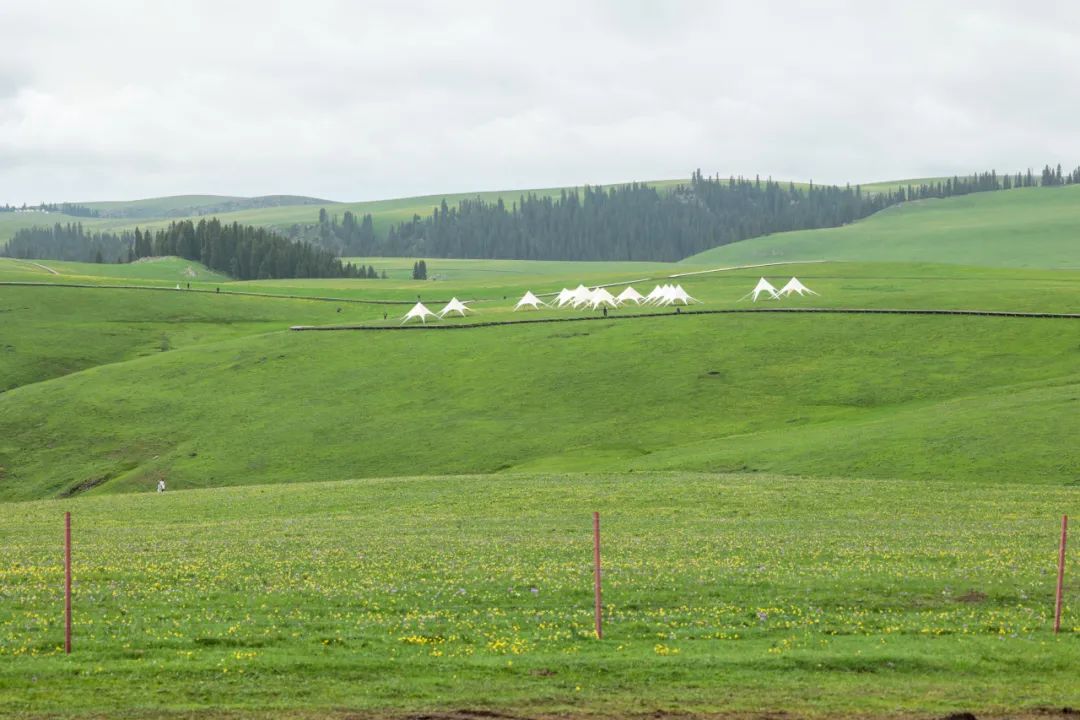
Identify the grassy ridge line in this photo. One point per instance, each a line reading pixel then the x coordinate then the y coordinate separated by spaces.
pixel 160 206
pixel 724 595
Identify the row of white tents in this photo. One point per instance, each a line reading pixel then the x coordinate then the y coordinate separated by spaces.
pixel 596 298
pixel 600 297
pixel 793 287
pixel 420 312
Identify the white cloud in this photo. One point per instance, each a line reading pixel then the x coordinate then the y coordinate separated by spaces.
pixel 353 101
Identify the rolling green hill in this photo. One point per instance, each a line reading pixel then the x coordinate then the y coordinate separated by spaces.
pixel 1031 227
pixel 40 341
pixel 816 395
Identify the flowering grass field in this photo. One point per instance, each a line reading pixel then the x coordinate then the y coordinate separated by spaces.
pixel 721 594
pixel 921 588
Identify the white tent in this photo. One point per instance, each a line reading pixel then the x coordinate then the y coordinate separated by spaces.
pixel 419 311
pixel 582 296
pixel 680 295
pixel 667 295
pixel 794 286
pixel 655 295
pixel 763 286
pixel 629 295
pixel 600 296
pixel 565 298
pixel 457 306
pixel 529 300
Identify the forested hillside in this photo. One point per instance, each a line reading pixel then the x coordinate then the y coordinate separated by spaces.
pixel 664 221
pixel 241 251
pixel 638 222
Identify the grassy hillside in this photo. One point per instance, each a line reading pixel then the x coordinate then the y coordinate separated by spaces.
pixel 386 597
pixel 1031 227
pixel 186 205
pixel 878 396
pixel 41 340
pixel 162 270
pixel 158 205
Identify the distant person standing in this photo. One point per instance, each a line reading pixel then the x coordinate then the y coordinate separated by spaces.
pixel 161 485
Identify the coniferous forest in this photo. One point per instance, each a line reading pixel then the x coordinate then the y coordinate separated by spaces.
pixel 638 222
pixel 241 251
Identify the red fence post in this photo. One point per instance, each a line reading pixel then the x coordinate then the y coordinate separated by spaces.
pixel 67 583
pixel 1061 573
pixel 596 574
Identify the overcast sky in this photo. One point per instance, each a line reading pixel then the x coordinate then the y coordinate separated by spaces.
pixel 366 100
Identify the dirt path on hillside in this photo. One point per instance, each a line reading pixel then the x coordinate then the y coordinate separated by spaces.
pixel 46 268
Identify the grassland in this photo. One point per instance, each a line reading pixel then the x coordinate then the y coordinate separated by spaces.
pixel 40 340
pixel 820 515
pixel 884 397
pixel 734 594
pixel 1025 228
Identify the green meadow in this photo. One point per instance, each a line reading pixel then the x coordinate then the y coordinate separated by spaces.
pixel 738 594
pixel 813 514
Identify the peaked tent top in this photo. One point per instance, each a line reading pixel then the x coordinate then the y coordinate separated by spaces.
pixel 581 296
pixel 419 311
pixel 529 300
pixel 794 286
pixel 678 294
pixel 655 294
pixel 601 296
pixel 457 306
pixel 630 295
pixel 763 286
